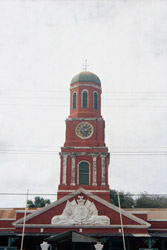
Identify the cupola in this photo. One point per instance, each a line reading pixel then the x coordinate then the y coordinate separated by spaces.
pixel 86 76
pixel 85 99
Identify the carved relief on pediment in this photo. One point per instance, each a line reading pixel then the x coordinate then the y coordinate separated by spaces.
pixel 80 212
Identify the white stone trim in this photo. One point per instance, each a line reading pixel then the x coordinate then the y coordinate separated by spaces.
pixel 141 235
pixel 64 168
pixel 137 212
pixel 103 172
pixel 94 156
pixel 73 170
pixel 158 220
pixel 28 211
pixel 79 226
pixel 95 191
pixel 84 85
pixel 85 119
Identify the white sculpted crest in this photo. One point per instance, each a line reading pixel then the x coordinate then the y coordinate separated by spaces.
pixel 83 212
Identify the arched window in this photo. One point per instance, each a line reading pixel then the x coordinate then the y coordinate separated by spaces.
pixel 95 100
pixel 84 99
pixel 83 173
pixel 74 100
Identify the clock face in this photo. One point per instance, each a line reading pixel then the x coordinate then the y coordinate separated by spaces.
pixel 84 130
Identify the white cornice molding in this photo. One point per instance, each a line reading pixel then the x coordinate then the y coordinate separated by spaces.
pixel 79 226
pixel 28 211
pixel 84 153
pixel 165 220
pixel 141 235
pixel 136 212
pixel 157 229
pixel 85 85
pixel 85 119
pixel 95 191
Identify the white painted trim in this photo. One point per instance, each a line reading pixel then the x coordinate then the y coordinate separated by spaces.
pixel 94 168
pixel 85 85
pixel 137 212
pixel 103 169
pixel 89 194
pixel 64 181
pixel 85 119
pixel 28 211
pixel 4 228
pixel 157 229
pixel 73 160
pixel 79 226
pixel 95 191
pixel 141 235
pixel 158 220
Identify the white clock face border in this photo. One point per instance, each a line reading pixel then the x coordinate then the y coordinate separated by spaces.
pixel 78 127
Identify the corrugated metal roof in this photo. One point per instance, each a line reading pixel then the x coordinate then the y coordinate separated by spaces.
pixel 10 213
pixel 7 214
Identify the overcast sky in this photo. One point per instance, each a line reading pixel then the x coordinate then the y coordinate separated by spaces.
pixel 42 46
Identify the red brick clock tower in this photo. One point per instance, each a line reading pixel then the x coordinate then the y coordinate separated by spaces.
pixel 84 157
pixel 83 205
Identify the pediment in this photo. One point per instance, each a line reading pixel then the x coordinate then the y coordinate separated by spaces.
pixel 81 208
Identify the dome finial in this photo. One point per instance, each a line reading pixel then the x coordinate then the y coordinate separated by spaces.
pixel 85 65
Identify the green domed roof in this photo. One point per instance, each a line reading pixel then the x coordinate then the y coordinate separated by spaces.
pixel 86 76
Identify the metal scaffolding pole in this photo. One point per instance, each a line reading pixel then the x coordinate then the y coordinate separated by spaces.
pixel 122 228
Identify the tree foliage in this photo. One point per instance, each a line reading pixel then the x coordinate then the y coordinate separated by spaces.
pixel 38 202
pixel 126 199
pixel 143 200
pixel 151 201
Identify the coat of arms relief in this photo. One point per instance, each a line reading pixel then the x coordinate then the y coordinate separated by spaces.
pixel 80 212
